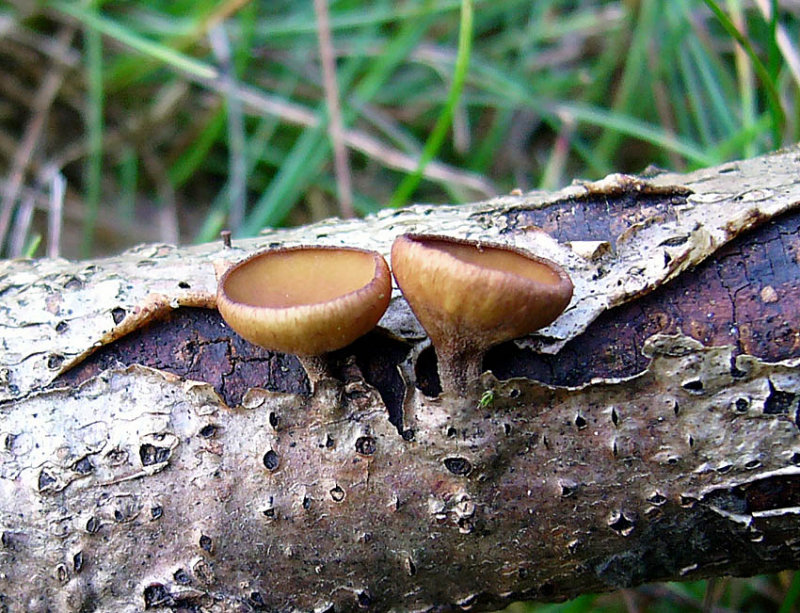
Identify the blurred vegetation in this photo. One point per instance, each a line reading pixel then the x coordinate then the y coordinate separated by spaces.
pixel 212 113
pixel 169 120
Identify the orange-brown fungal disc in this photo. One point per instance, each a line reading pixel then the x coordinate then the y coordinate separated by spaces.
pixel 469 296
pixel 305 300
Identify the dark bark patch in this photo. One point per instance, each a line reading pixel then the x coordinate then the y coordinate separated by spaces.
pixel 778 402
pixel 196 344
pixel 46 481
pixel 366 445
pixel 602 216
pixel 181 577
pixel 378 357
pixel 693 386
pixel 769 493
pixel 426 374
pixel 83 466
pixel 205 542
pixel 77 562
pixel 621 524
pixel 718 302
pixel 706 537
pixel 460 467
pixel 208 431
pixel 118 314
pixel 364 599
pixel 271 460
pixel 157 595
pixel 151 454
pixel 93 525
pixel 256 600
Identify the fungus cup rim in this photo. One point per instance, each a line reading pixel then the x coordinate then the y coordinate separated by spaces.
pixel 362 308
pixel 466 307
pixel 484 271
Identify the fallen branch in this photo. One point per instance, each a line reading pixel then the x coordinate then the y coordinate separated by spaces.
pixel 650 433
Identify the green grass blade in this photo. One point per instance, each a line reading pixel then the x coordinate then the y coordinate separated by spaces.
pixel 305 158
pixel 695 100
pixel 124 35
pixel 296 172
pixel 361 17
pixel 746 90
pixel 443 122
pixel 32 246
pixel 748 135
pixel 257 148
pixel 773 98
pixel 299 168
pixel 792 594
pixel 191 159
pixel 643 131
pixel 634 74
pixel 722 118
pixel 94 120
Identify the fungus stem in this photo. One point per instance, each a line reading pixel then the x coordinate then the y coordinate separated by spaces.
pixel 460 371
pixel 317 368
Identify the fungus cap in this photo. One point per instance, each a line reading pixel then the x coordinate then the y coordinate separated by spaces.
pixel 305 300
pixel 471 295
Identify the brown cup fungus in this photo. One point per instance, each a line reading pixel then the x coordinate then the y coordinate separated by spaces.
pixel 470 296
pixel 306 301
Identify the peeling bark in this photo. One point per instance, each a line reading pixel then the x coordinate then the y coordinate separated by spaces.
pixel 151 459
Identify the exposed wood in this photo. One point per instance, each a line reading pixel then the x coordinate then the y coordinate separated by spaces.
pixel 651 432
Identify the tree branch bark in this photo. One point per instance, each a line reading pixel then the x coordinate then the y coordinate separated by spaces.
pixel 151 459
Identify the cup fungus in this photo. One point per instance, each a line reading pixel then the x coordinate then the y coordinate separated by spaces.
pixel 470 296
pixel 306 301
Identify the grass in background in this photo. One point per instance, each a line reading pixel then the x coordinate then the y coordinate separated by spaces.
pixel 442 101
pixel 436 107
pixel 773 594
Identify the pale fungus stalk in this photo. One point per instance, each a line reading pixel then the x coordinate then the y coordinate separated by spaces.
pixel 470 296
pixel 307 301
